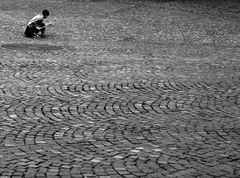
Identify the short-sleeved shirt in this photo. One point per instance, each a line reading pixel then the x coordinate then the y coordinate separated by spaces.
pixel 36 21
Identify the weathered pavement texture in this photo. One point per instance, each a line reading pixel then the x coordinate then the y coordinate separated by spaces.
pixel 132 89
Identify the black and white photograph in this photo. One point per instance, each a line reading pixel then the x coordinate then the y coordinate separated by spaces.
pixel 120 89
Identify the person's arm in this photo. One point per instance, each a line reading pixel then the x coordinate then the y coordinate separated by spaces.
pixel 50 23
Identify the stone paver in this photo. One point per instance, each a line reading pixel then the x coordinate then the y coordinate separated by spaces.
pixel 121 89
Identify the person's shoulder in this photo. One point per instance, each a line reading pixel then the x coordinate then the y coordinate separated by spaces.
pixel 39 16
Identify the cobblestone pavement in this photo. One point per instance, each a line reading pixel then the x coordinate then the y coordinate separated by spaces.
pixel 132 89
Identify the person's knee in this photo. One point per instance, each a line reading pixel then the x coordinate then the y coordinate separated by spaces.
pixel 43 30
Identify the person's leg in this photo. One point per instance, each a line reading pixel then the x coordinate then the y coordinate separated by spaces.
pixel 42 30
pixel 36 31
pixel 29 32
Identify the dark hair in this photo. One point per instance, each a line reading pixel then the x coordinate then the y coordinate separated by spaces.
pixel 45 12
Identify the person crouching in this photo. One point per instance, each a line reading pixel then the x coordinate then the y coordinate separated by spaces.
pixel 36 26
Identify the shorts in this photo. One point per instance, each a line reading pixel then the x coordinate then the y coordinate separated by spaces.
pixel 33 31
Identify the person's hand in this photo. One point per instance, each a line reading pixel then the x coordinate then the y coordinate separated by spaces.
pixel 39 28
pixel 53 22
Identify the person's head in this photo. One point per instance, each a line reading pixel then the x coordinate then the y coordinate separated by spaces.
pixel 45 13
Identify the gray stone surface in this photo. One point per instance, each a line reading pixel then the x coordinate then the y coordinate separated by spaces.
pixel 137 89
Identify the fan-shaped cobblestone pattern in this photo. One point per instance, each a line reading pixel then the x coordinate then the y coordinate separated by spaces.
pixel 124 129
pixel 64 119
pixel 129 89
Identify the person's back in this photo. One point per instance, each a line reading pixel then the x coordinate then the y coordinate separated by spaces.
pixel 36 21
